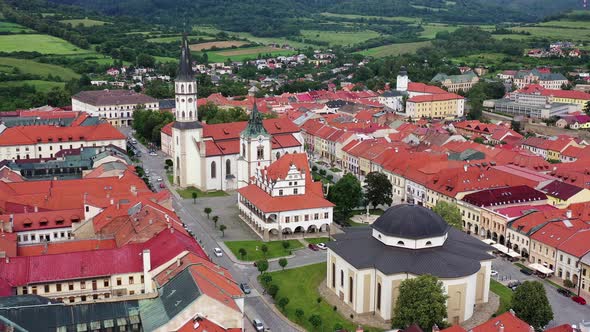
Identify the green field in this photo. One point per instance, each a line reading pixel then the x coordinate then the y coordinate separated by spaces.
pixel 165 59
pixel 268 40
pixel 85 22
pixel 187 193
pixel 39 85
pixel 555 33
pixel 431 29
pixel 339 37
pixel 176 38
pixel 254 252
pixel 385 18
pixel 37 68
pixel 44 44
pixel 13 28
pixel 394 49
pixel 242 54
pixel 303 294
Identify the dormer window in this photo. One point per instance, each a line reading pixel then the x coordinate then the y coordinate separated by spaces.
pixel 280 192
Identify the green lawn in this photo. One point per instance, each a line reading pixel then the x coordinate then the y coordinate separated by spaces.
pixel 165 59
pixel 557 33
pixel 318 240
pixel 44 44
pixel 85 22
pixel 242 54
pixel 303 294
pixel 431 29
pixel 13 27
pixel 254 253
pixel 505 295
pixel 339 37
pixel 394 49
pixel 37 68
pixel 188 193
pixel 39 85
pixel 335 170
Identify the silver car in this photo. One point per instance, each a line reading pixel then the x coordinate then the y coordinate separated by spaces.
pixel 258 326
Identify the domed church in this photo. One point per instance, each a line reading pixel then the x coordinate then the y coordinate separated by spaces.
pixel 366 266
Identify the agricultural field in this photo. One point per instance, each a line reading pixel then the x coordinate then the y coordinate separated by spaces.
pixel 394 49
pixel 431 29
pixel 340 37
pixel 241 54
pixel 36 68
pixel 85 22
pixel 385 18
pixel 165 59
pixel 13 28
pixel 44 44
pixel 43 86
pixel 268 40
pixel 217 44
pixel 176 38
pixel 555 33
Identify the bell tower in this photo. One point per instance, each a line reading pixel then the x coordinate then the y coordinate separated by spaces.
pixel 255 148
pixel 186 130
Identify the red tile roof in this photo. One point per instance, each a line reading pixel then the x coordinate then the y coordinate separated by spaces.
pixel 434 97
pixel 577 244
pixel 46 219
pixel 510 322
pixel 561 190
pixel 555 232
pixel 539 90
pixel 561 328
pixel 521 210
pixel 167 129
pixel 51 248
pixel 22 135
pixel 505 195
pixel 424 88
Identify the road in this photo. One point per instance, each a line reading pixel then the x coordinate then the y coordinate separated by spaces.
pixel 255 306
pixel 564 309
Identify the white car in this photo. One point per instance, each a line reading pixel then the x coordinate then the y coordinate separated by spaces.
pixel 153 153
pixel 218 252
pixel 159 179
pixel 321 246
pixel 494 273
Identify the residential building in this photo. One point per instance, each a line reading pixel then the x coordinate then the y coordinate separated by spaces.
pixel 115 106
pixel 456 83
pixel 544 78
pixel 448 105
pixel 562 194
pixel 283 200
pixel 365 269
pixel 504 322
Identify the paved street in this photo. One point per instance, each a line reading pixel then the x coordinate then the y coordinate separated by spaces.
pixel 209 238
pixel 564 309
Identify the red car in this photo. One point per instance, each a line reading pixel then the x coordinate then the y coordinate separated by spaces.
pixel 579 299
pixel 313 247
pixel 162 186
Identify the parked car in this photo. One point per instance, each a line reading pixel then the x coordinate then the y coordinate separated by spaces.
pixel 528 272
pixel 153 153
pixel 313 247
pixel 322 246
pixel 258 326
pixel 218 252
pixel 162 186
pixel 514 284
pixel 565 292
pixel 245 288
pixel 494 273
pixel 579 299
pixel 159 179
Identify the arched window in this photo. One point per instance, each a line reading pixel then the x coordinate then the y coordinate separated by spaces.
pixel 177 162
pixel 243 150
pixel 190 114
pixel 213 170
pixel 333 275
pixel 400 243
pixel 341 278
pixel 183 114
pixel 278 155
pixel 378 296
pixel 428 243
pixel 182 88
pixel 190 89
pixel 227 167
pixel 260 152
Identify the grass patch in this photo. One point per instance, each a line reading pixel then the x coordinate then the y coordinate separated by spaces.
pixel 339 37
pixel 335 170
pixel 85 22
pixel 43 86
pixel 394 49
pixel 268 40
pixel 13 28
pixel 165 59
pixel 248 53
pixel 32 67
pixel 431 29
pixel 44 44
pixel 505 295
pixel 303 294
pixel 556 33
pixel 188 193
pixel 318 240
pixel 217 45
pixel 254 253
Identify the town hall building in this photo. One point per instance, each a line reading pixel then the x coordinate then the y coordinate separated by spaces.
pixel 222 156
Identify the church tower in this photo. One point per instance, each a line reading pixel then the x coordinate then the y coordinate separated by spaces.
pixel 255 148
pixel 402 80
pixel 186 130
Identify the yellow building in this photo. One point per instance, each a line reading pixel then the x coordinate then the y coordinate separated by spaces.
pixel 562 194
pixel 444 105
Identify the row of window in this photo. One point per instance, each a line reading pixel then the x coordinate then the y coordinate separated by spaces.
pixel 70 286
pixel 306 217
pixel 42 237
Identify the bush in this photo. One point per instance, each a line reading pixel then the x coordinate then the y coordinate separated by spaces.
pixel 273 290
pixel 317 178
pixel 568 283
pixel 322 172
pixel 330 177
pixel 314 168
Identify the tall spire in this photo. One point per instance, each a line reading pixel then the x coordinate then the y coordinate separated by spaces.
pixel 185 68
pixel 255 126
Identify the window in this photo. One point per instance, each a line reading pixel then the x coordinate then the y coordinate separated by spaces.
pixel 326 215
pixel 296 218
pixel 227 167
pixel 71 286
pixel 46 288
pixel 131 280
pixel 213 170
pixel 131 292
pixel 333 275
pixel 83 298
pixel 119 282
pixel 106 282
pixel 287 219
pixel 243 150
pixel 25 290
pixel 58 287
pixel 280 192
pixel 260 154
pixel 142 279
pixel 95 297
pixel 71 299
pixel 34 290
pixel 378 296
pixel 350 288
pixel 107 295
pixel 295 191
pixel 341 278
pixel 316 216
pixel 400 243
pixel 82 284
pixel 306 217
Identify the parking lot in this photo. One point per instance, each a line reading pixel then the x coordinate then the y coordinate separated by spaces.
pixel 564 309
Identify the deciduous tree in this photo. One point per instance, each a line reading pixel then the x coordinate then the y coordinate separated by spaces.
pixel 207 211
pixel 283 262
pixel 531 305
pixel 346 195
pixel 262 265
pixel 449 212
pixel 222 228
pixel 378 189
pixel 421 300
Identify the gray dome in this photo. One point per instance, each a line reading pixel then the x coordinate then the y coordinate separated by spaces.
pixel 411 222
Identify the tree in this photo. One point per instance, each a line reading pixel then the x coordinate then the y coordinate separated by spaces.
pixel 421 300
pixel 299 313
pixel 215 220
pixel 315 320
pixel 587 108
pixel 527 294
pixel 262 265
pixel 146 61
pixel 346 195
pixel 273 290
pixel 194 194
pixel 449 212
pixel 222 228
pixel 207 211
pixel 378 189
pixel 282 303
pixel 283 262
pixel 286 245
pixel 266 279
pixel 242 252
pixel 264 249
pixel 169 162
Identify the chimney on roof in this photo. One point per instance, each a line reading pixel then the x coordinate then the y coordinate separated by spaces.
pixel 568 214
pixel 36 208
pixel 147 266
pixel 465 168
pixel 112 200
pixel 178 262
pixel 501 328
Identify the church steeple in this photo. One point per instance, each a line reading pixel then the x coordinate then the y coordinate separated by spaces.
pixel 255 127
pixel 185 68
